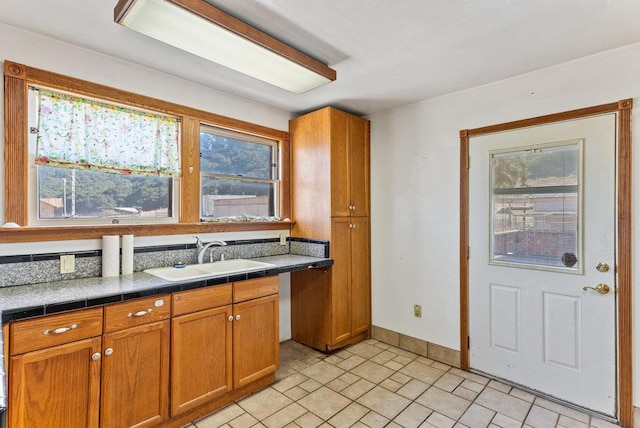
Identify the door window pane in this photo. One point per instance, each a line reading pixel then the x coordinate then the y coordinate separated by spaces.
pixel 535 206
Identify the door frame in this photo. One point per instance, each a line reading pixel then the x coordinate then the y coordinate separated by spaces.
pixel 623 226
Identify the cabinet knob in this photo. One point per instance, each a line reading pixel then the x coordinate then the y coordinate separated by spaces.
pixel 230 317
pixel 96 356
pixel 61 330
pixel 352 226
pixel 238 317
pixel 108 351
pixel 139 313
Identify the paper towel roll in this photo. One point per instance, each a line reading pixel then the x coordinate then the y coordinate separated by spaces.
pixel 110 255
pixel 127 254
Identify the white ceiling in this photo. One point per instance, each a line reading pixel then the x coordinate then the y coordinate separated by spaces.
pixel 387 53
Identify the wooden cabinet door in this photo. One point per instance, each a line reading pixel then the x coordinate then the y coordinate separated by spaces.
pixel 255 339
pixel 56 387
pixel 135 377
pixel 359 166
pixel 340 279
pixel 340 169
pixel 360 276
pixel 201 355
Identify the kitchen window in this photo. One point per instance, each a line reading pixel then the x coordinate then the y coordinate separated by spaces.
pixel 98 162
pixel 127 215
pixel 239 176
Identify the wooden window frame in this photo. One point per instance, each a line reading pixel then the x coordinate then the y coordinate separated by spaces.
pixel 624 238
pixel 18 77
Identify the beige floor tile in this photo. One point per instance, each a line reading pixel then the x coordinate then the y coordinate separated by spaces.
pixel 400 378
pixel 413 389
pixel 324 402
pixel 444 402
pixel 385 402
pixel 289 382
pixel 358 389
pixel 393 365
pixel 477 417
pixel 383 357
pixel 344 354
pixel 285 416
pixel 393 425
pixel 374 420
pixel 351 362
pixel 364 350
pixel 372 372
pixel 310 385
pixel 465 393
pixel 441 366
pixel 220 417
pixel 322 372
pixel 390 384
pixel 422 372
pixel 333 359
pixel 243 421
pixel 404 353
pixel 563 410
pixel 359 425
pixel 471 376
pixel 539 417
pixel 567 422
pixel 503 403
pixel 402 360
pixel 295 393
pixel 337 385
pixel 505 422
pixel 413 416
pixel 473 386
pixel 448 382
pixel 499 386
pixel 523 395
pixel 349 378
pixel 309 420
pixel 264 403
pixel 425 360
pixel 349 415
pixel 438 420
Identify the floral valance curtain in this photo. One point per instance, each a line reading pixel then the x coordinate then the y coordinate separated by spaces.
pixel 75 132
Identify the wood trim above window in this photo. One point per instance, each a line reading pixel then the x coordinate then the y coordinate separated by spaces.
pixel 18 77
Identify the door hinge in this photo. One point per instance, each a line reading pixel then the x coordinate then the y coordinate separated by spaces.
pixel 468 343
pixel 468 253
pixel 468 161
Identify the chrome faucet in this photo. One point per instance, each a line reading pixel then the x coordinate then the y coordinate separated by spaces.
pixel 201 247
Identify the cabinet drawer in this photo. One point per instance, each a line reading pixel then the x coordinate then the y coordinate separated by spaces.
pixel 186 302
pixel 39 333
pixel 254 288
pixel 136 312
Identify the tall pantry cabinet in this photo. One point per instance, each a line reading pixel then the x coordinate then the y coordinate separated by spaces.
pixel 330 201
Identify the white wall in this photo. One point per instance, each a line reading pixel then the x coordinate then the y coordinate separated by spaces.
pixel 415 185
pixel 41 52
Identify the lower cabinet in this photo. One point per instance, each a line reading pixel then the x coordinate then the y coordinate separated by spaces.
pixel 56 387
pixel 135 376
pixel 226 341
pixel 140 364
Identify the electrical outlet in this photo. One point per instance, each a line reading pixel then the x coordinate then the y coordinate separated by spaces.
pixel 283 239
pixel 417 311
pixel 68 263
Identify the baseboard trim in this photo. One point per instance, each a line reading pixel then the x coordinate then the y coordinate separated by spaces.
pixel 417 346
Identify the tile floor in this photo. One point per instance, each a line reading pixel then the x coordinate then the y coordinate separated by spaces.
pixel 372 384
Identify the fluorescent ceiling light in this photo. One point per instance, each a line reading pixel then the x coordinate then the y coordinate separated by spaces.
pixel 201 29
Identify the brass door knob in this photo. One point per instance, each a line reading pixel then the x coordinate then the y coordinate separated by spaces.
pixel 600 288
pixel 602 267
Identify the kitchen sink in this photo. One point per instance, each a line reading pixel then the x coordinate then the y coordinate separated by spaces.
pixel 205 270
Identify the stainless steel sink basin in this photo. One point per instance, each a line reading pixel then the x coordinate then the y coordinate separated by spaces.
pixel 187 272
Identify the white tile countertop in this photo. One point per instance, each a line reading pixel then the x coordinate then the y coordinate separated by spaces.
pixel 26 301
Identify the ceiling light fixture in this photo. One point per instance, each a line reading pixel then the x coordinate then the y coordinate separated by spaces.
pixel 204 30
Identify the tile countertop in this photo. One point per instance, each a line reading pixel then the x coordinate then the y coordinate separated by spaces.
pixel 41 299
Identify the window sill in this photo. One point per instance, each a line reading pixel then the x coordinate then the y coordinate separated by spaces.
pixel 63 233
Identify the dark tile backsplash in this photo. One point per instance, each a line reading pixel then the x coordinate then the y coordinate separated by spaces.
pixel 39 268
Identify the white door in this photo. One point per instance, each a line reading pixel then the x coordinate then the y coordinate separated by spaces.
pixel 541 228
